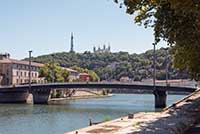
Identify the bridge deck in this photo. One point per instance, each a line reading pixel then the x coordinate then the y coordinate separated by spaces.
pixel 94 86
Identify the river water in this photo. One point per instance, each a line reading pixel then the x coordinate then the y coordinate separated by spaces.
pixel 70 115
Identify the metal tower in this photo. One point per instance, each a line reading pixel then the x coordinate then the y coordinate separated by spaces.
pixel 72 43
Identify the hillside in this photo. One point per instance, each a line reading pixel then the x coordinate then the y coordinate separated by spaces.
pixel 115 65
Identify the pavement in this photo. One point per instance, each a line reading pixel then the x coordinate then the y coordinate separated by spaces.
pixel 122 125
pixel 194 129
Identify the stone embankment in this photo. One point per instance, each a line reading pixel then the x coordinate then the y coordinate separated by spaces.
pixel 175 119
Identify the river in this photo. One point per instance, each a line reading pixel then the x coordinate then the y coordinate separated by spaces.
pixel 70 115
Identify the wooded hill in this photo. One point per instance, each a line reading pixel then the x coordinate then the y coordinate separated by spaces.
pixel 115 65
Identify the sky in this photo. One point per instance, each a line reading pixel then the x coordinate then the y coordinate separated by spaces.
pixel 45 26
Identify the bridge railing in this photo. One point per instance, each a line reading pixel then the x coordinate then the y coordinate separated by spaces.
pixel 96 85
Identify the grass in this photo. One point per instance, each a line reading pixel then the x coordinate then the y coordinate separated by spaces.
pixel 106 119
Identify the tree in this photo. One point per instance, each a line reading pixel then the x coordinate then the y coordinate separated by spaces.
pixel 46 71
pixel 60 74
pixel 93 75
pixel 65 75
pixel 177 23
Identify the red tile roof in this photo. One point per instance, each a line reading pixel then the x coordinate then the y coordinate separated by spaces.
pixel 22 62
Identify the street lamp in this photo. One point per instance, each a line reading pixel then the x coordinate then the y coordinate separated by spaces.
pixel 53 73
pixel 167 66
pixel 160 96
pixel 30 69
pixel 154 66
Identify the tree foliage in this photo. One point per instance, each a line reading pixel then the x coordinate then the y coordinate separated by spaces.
pixel 93 75
pixel 51 70
pixel 109 66
pixel 176 22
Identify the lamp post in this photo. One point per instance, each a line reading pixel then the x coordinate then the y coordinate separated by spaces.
pixel 154 66
pixel 53 73
pixel 30 69
pixel 166 69
pixel 160 96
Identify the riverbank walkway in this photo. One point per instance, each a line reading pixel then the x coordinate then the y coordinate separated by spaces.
pixel 175 119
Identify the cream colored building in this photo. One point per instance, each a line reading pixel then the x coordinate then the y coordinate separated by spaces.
pixel 16 72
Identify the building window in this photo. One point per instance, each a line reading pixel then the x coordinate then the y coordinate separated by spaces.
pixel 16 66
pixel 25 74
pixel 21 74
pixel 17 73
pixel 7 81
pixel 7 72
pixel 26 81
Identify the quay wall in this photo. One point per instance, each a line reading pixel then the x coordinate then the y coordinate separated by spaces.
pixel 14 97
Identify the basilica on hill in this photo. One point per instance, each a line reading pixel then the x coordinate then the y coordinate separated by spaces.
pixel 102 50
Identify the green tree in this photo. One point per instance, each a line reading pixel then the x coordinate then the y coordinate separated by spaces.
pixel 177 23
pixel 109 66
pixel 65 75
pixel 58 74
pixel 93 75
pixel 49 70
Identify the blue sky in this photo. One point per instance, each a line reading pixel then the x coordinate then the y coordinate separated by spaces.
pixel 44 26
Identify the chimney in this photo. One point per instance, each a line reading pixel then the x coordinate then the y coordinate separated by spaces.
pixel 4 56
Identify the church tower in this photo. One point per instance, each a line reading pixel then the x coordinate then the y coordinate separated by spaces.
pixel 94 49
pixel 72 43
pixel 109 48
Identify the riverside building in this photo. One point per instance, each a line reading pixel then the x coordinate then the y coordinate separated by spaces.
pixel 16 72
pixel 73 74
